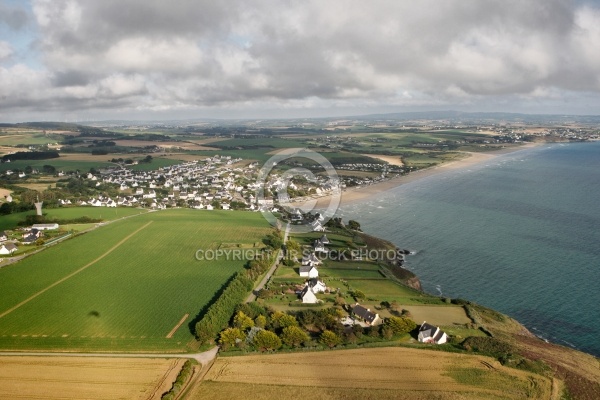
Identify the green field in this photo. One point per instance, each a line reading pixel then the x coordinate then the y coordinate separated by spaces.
pixel 10 221
pixel 58 163
pixel 124 286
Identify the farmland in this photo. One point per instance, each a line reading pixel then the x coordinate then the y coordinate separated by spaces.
pixel 125 285
pixel 85 378
pixel 10 221
pixel 369 373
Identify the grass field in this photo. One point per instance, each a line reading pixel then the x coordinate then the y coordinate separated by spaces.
pixel 122 286
pixel 63 378
pixel 59 163
pixel 374 373
pixel 107 214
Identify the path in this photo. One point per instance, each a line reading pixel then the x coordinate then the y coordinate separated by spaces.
pixel 252 296
pixel 203 358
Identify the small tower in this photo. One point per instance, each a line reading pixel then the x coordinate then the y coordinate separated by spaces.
pixel 38 206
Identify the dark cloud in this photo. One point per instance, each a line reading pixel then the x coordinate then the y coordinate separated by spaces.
pixel 14 17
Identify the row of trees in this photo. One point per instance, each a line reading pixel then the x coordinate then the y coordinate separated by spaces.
pixel 219 313
pixel 264 329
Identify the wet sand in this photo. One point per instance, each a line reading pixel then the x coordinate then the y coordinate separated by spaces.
pixel 356 194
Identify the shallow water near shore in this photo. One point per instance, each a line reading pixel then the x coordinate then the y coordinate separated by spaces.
pixel 519 233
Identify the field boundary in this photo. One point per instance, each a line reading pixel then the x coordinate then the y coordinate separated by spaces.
pixel 73 273
pixel 181 321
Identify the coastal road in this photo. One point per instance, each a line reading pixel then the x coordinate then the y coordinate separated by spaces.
pixel 252 296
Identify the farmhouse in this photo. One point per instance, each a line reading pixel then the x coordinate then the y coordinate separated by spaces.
pixel 370 318
pixel 309 271
pixel 44 227
pixel 3 236
pixel 431 334
pixel 7 248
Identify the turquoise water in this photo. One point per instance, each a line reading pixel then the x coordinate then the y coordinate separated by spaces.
pixel 520 234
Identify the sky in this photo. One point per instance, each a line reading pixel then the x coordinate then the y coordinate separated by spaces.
pixel 82 60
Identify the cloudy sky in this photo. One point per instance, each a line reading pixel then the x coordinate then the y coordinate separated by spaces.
pixel 77 60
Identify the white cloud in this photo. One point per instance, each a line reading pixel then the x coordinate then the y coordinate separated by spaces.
pixel 265 53
pixel 6 50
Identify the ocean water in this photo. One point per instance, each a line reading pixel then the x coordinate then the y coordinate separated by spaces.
pixel 519 233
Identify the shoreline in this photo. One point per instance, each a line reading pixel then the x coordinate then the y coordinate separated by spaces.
pixel 357 194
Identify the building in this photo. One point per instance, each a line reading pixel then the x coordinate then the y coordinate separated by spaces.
pixel 431 334
pixel 309 271
pixel 366 315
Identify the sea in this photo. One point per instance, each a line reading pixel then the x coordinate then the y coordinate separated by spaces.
pixel 519 233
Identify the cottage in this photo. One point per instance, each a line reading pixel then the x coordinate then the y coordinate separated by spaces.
pixel 370 318
pixel 7 248
pixel 3 236
pixel 431 334
pixel 308 296
pixel 309 271
pixel 324 239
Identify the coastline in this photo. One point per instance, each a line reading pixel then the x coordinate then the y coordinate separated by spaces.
pixel 357 194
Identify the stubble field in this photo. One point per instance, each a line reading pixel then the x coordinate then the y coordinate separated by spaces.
pixel 369 373
pixel 64 378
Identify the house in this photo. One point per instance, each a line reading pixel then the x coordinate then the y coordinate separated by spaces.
pixel 3 236
pixel 44 227
pixel 308 296
pixel 311 260
pixel 309 271
pixel 7 248
pixel 33 232
pixel 370 318
pixel 324 239
pixel 431 334
pixel 316 285
pixel 319 247
pixel 317 227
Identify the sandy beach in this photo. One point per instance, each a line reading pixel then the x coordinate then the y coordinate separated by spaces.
pixel 356 194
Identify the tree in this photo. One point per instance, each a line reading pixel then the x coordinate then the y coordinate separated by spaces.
pixel 260 321
pixel 231 336
pixel 294 336
pixel 358 295
pixel 387 332
pixel 266 340
pixel 354 225
pixel 242 321
pixel 400 325
pixel 282 320
pixel 330 339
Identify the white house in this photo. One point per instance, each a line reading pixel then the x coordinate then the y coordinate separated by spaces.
pixel 311 260
pixel 7 248
pixel 366 315
pixel 316 285
pixel 309 271
pixel 308 296
pixel 431 334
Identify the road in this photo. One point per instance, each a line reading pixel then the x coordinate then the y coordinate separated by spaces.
pixel 203 358
pixel 252 296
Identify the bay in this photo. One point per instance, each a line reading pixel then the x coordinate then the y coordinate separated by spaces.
pixel 519 233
